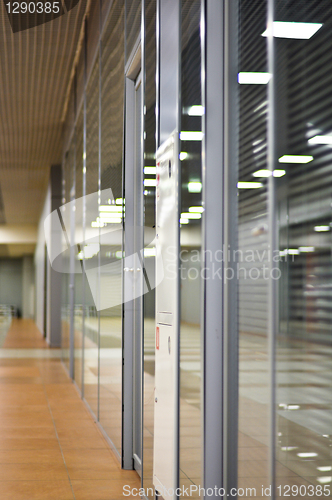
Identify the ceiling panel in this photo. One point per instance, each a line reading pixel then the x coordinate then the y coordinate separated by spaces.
pixel 35 68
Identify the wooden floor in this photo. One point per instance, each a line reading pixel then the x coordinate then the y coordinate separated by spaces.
pixel 50 446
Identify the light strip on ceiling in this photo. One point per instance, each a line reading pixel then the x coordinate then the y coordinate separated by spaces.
pixel 295 159
pixel 298 31
pixel 321 139
pixel 253 78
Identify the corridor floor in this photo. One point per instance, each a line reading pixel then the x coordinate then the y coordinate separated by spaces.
pixel 50 446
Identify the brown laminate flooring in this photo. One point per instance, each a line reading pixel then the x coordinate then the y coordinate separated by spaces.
pixel 50 446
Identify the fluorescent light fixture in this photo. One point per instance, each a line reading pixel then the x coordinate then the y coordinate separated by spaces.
pixel 197 210
pixel 188 215
pixel 184 221
pixel 293 407
pixel 324 479
pixel 279 172
pixel 325 468
pixel 119 254
pixel 150 182
pixel 293 251
pixel 322 229
pixel 194 187
pixel 150 170
pixel 191 136
pixel 306 249
pixel 119 201
pixel 298 31
pixel 97 224
pixel 262 173
pixel 267 173
pixel 112 220
pixel 196 110
pixel 183 155
pixel 105 215
pixel 150 252
pixel 146 193
pixel 321 139
pixel 110 208
pixel 295 159
pixel 249 185
pixel 288 448
pixel 253 78
pixel 307 455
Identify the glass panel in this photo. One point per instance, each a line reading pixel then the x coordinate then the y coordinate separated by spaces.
pixel 149 260
pixel 304 126
pixel 67 183
pixel 190 256
pixel 111 250
pixel 78 303
pixel 253 250
pixel 92 245
pixel 133 24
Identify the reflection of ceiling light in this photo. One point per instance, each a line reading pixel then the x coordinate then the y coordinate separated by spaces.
pixel 111 220
pixel 150 170
pixel 118 201
pixel 262 173
pixel 324 479
pixel 321 229
pixel 252 78
pixel 194 187
pixel 321 139
pixel 279 173
pixel 98 223
pixel 189 215
pixel 295 159
pixel 307 455
pixel 197 210
pixel 184 221
pixel 89 251
pixel 183 155
pixel 302 31
pixel 150 182
pixel 196 111
pixel 307 249
pixel 324 468
pixel 293 407
pixel 249 185
pixel 288 448
pixel 289 251
pixel 191 136
pixel 119 254
pixel 110 208
pixel 150 252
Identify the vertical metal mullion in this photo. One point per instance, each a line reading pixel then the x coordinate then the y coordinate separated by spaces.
pixel 84 194
pixel 230 300
pixel 99 190
pixel 272 239
pixel 143 86
pixel 212 42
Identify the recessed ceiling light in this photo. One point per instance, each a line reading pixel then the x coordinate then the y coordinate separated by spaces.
pixel 322 229
pixel 150 170
pixel 196 210
pixel 262 173
pixel 295 159
pixel 253 78
pixel 324 479
pixel 307 455
pixel 300 31
pixel 191 136
pixel 279 173
pixel 249 185
pixel 324 468
pixel 194 187
pixel 196 110
pixel 184 221
pixel 150 182
pixel 321 139
pixel 189 215
pixel 306 249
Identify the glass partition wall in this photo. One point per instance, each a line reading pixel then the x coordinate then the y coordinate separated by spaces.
pixel 283 251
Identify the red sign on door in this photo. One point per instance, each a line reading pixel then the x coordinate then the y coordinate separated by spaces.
pixel 157 338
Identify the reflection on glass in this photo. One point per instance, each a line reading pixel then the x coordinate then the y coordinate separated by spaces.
pixel 91 242
pixel 253 251
pixel 149 260
pixel 304 125
pixel 112 62
pixel 190 241
pixel 78 302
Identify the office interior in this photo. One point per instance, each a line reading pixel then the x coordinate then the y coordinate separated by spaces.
pixel 241 90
